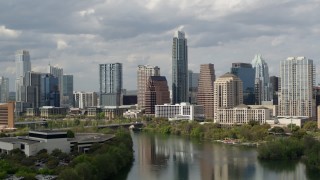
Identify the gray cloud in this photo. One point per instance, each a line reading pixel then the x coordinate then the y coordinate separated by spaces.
pixel 79 35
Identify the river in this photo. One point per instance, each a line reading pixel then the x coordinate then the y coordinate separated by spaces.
pixel 159 157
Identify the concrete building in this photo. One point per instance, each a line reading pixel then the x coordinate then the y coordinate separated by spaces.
pixel 93 111
pixel 193 86
pixel 110 78
pixel 182 111
pixel 262 84
pixel 23 65
pixel 143 74
pixel 67 93
pixel 4 89
pixel 157 93
pixel 227 92
pixel 47 111
pixel 179 68
pixel 7 115
pixel 242 114
pixel 246 73
pixel 296 98
pixel 113 112
pixel 273 109
pixel 85 99
pixel 205 95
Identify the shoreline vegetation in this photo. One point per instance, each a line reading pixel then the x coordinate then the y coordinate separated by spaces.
pixel 288 143
pixel 102 161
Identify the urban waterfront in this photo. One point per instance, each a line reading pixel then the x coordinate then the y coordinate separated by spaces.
pixel 174 157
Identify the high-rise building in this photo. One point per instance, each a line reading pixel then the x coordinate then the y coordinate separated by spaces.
pixel 247 75
pixel 193 86
pixel 227 92
pixel 144 72
pixel 110 84
pixel 23 65
pixel 67 94
pixel 297 79
pixel 179 68
pixel 85 99
pixel 30 91
pixel 274 87
pixel 57 72
pixel 205 89
pixel 157 93
pixel 4 89
pixel 49 90
pixel 262 85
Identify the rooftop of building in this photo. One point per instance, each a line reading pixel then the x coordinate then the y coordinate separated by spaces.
pixel 18 140
pixel 48 132
pixel 228 75
pixel 91 137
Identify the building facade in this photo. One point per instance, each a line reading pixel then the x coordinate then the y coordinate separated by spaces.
pixel 227 92
pixel 205 95
pixel 23 65
pixel 31 89
pixel 182 111
pixel 193 86
pixel 247 75
pixel 143 74
pixel 7 115
pixel 262 84
pixel 242 114
pixel 4 89
pixel 274 87
pixel 179 68
pixel 296 97
pixel 110 84
pixel 49 91
pixel 85 99
pixel 157 93
pixel 67 94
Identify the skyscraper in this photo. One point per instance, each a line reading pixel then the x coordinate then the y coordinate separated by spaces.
pixel 157 93
pixel 247 75
pixel 262 85
pixel 205 89
pixel 193 86
pixel 49 90
pixel 67 94
pixel 57 72
pixel 4 89
pixel 110 84
pixel 23 65
pixel 30 91
pixel 227 92
pixel 274 87
pixel 297 78
pixel 179 68
pixel 144 72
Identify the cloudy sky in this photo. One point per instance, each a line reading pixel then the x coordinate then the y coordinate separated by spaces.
pixel 79 35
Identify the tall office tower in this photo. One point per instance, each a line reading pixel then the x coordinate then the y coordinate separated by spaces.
pixel 49 90
pixel 4 89
pixel 227 92
pixel 274 88
pixel 144 72
pixel 30 91
pixel 85 99
pixel 297 79
pixel 193 86
pixel 23 65
pixel 205 89
pixel 110 84
pixel 67 94
pixel 179 68
pixel 157 93
pixel 57 72
pixel 247 75
pixel 262 85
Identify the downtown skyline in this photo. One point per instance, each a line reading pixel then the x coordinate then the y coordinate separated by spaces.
pixel 141 33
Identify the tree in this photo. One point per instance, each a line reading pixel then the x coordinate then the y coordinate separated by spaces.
pixel 68 174
pixel 70 134
pixel 310 126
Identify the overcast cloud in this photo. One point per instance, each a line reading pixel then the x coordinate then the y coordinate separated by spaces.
pixel 79 35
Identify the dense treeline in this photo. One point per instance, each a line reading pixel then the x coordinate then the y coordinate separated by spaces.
pixel 212 131
pixel 103 161
pixel 292 148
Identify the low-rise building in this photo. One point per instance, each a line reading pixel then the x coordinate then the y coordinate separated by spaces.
pixel 133 113
pixel 93 111
pixel 242 114
pixel 182 111
pixel 7 115
pixel 286 120
pixel 47 111
pixel 113 112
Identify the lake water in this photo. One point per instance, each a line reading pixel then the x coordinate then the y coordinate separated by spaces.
pixel 159 157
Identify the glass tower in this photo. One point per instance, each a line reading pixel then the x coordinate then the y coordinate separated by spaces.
pixel 23 65
pixel 179 68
